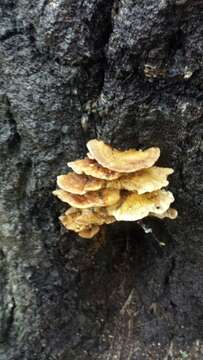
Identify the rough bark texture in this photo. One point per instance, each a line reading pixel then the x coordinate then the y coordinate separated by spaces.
pixel 72 70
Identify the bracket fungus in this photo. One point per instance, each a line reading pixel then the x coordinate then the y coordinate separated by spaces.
pixel 122 161
pixel 78 184
pixel 135 207
pixel 111 185
pixel 104 197
pixel 92 168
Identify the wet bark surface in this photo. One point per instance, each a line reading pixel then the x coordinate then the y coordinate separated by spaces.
pixel 130 73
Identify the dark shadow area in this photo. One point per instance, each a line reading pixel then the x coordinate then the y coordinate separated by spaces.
pixel 126 289
pixel 115 276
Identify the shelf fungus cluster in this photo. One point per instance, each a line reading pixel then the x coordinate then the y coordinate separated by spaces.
pixel 110 185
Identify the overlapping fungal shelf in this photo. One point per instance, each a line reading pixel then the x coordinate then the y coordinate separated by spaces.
pixel 110 185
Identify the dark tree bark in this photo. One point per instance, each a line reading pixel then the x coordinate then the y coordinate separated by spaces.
pixel 128 72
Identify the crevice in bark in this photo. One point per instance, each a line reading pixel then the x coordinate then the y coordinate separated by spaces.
pixel 15 139
pixel 9 322
pixel 99 39
pixel 169 272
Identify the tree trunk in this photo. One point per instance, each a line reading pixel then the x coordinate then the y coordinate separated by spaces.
pixel 130 73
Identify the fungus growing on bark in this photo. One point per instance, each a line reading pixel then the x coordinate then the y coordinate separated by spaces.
pixel 86 222
pixel 122 161
pixel 105 197
pixel 69 220
pixel 170 213
pixel 135 207
pixel 90 232
pixel 142 181
pixel 78 184
pixel 92 168
pixel 97 216
pixel 113 185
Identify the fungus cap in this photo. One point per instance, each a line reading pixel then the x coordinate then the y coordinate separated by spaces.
pixel 135 207
pixel 78 184
pixel 170 213
pixel 69 220
pixel 105 197
pixel 89 232
pixel 142 181
pixel 96 216
pixel 91 167
pixel 122 161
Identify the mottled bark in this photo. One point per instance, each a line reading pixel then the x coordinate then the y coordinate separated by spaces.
pixel 128 72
